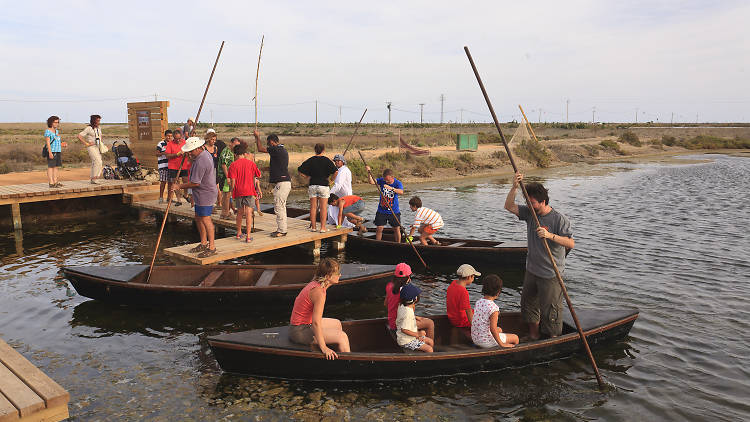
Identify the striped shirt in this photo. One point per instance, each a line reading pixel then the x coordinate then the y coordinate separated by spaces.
pixel 428 216
pixel 163 162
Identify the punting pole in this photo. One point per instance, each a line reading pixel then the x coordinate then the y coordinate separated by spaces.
pixel 536 220
pixel 394 215
pixel 198 115
pixel 163 222
pixel 355 132
pixel 257 73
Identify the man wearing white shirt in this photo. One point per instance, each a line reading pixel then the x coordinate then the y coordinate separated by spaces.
pixel 342 185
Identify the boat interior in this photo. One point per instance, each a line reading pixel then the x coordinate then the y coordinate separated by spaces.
pixel 455 243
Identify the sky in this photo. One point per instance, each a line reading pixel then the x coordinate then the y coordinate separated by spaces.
pixel 609 61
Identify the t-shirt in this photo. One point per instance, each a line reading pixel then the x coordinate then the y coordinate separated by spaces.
pixel 457 302
pixel 480 323
pixel 342 184
pixel 388 196
pixel 349 200
pixel 537 260
pixel 319 168
pixel 392 301
pixel 425 215
pixel 278 165
pixel 91 135
pixel 203 172
pixel 226 157
pixel 162 161
pixel 186 129
pixel 244 172
pixel 174 148
pixel 54 140
pixel 405 319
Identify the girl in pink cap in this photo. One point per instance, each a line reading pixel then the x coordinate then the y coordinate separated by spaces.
pixel 402 277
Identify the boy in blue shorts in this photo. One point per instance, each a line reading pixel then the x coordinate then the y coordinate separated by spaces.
pixel 388 211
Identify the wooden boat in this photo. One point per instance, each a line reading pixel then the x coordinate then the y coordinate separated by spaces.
pixel 450 250
pixel 233 286
pixel 376 356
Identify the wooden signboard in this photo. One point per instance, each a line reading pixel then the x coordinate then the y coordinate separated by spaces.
pixel 147 122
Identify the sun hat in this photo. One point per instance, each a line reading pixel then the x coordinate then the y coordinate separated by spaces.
pixel 210 130
pixel 191 119
pixel 192 143
pixel 402 270
pixel 339 157
pixel 467 270
pixel 410 292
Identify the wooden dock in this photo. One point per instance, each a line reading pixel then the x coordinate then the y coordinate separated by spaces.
pixel 230 248
pixel 26 393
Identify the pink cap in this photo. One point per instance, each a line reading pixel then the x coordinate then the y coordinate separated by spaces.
pixel 402 270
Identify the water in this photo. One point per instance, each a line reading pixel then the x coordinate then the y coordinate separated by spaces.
pixel 667 239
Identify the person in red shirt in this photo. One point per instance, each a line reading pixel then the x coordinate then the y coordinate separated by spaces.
pixel 457 298
pixel 242 175
pixel 174 154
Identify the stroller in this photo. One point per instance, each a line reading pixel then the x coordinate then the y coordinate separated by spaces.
pixel 128 167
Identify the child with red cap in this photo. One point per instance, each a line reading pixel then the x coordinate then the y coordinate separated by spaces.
pixel 402 277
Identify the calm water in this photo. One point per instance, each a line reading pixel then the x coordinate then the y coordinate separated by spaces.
pixel 667 239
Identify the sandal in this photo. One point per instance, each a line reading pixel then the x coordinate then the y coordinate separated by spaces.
pixel 278 234
pixel 323 231
pixel 224 216
pixel 239 236
pixel 248 239
pixel 200 248
pixel 207 253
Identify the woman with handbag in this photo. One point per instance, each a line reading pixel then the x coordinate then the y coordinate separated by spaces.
pixel 91 137
pixel 52 150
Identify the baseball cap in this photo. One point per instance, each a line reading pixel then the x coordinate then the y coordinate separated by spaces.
pixel 410 292
pixel 466 270
pixel 339 157
pixel 402 270
pixel 210 130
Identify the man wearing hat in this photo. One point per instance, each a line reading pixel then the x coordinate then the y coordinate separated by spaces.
pixel 342 184
pixel 457 297
pixel 203 183
pixel 189 127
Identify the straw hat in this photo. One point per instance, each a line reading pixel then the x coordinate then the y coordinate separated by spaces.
pixel 192 143
pixel 466 270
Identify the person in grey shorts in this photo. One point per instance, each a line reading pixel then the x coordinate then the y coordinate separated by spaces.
pixel 541 296
pixel 318 169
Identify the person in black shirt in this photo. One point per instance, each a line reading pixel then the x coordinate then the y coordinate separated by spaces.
pixel 318 169
pixel 279 177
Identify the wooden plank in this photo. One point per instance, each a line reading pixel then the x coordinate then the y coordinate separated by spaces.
pixel 45 387
pixel 8 412
pixel 457 244
pixel 302 217
pixel 149 104
pixel 53 414
pixel 211 278
pixel 266 278
pixel 18 393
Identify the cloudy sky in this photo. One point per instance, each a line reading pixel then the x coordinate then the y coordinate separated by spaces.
pixel 615 58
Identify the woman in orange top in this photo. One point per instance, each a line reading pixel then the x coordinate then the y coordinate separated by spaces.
pixel 307 325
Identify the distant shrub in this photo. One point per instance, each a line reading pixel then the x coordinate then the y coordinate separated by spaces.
pixel 359 173
pixel 488 138
pixel 421 169
pixel 631 138
pixel 499 155
pixel 534 152
pixel 668 140
pixel 712 142
pixel 612 146
pixel 441 161
pixel 466 157
pixel 4 168
pixel 592 150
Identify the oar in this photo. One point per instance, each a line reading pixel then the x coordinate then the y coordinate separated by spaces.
pixel 355 132
pixel 208 85
pixel 536 220
pixel 382 200
pixel 163 222
pixel 255 101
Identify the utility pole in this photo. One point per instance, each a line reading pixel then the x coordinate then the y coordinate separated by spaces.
pixel 461 119
pixel 636 115
pixel 155 98
pixel 340 115
pixel 567 108
pixel 539 121
pixel 442 100
pixel 593 111
pixel 671 121
pixel 212 117
pixel 316 112
pixel 696 117
pixel 388 106
pixel 421 113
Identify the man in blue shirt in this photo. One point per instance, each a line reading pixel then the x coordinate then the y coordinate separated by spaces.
pixel 388 211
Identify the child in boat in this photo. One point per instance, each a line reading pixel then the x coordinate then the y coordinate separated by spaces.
pixel 485 326
pixel 307 325
pixel 350 206
pixel 426 221
pixel 457 298
pixel 408 335
pixel 402 277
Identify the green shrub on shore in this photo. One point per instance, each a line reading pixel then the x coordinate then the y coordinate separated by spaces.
pixel 712 142
pixel 631 138
pixel 500 155
pixel 534 152
pixel 466 157
pixel 440 161
pixel 592 150
pixel 611 145
pixel 668 140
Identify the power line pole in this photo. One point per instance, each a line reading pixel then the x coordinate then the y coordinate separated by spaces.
pixel 671 121
pixel 567 107
pixel 388 106
pixel 593 111
pixel 155 98
pixel 340 115
pixel 636 115
pixel 442 100
pixel 421 113
pixel 539 121
pixel 316 112
pixel 461 119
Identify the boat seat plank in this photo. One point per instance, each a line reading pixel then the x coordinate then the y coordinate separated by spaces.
pixel 18 393
pixel 369 234
pixel 265 279
pixel 8 412
pixel 455 245
pixel 302 217
pixel 211 278
pixel 45 387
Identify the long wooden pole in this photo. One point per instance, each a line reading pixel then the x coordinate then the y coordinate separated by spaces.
pixel 208 84
pixel 163 222
pixel 257 73
pixel 536 220
pixel 355 132
pixel 528 125
pixel 382 200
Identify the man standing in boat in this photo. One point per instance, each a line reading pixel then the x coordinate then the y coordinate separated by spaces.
pixel 541 296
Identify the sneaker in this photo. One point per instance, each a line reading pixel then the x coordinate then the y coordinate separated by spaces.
pixel 201 247
pixel 94 182
pixel 58 185
pixel 278 234
pixel 161 200
pixel 207 253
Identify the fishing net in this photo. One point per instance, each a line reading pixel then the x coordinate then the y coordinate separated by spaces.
pixel 521 134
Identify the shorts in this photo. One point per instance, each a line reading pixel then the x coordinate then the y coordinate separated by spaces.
pixel 223 183
pixel 301 334
pixel 174 174
pixel 493 343
pixel 204 210
pixel 413 345
pixel 541 302
pixel 356 208
pixel 428 229
pixel 318 191
pixel 244 201
pixel 56 160
pixel 164 175
pixel 381 219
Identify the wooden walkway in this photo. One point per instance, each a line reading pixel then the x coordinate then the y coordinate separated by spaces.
pixel 26 393
pixel 230 248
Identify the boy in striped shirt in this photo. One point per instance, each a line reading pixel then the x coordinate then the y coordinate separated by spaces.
pixel 162 162
pixel 426 221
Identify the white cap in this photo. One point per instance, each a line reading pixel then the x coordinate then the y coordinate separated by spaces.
pixel 465 270
pixel 210 130
pixel 191 119
pixel 192 143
